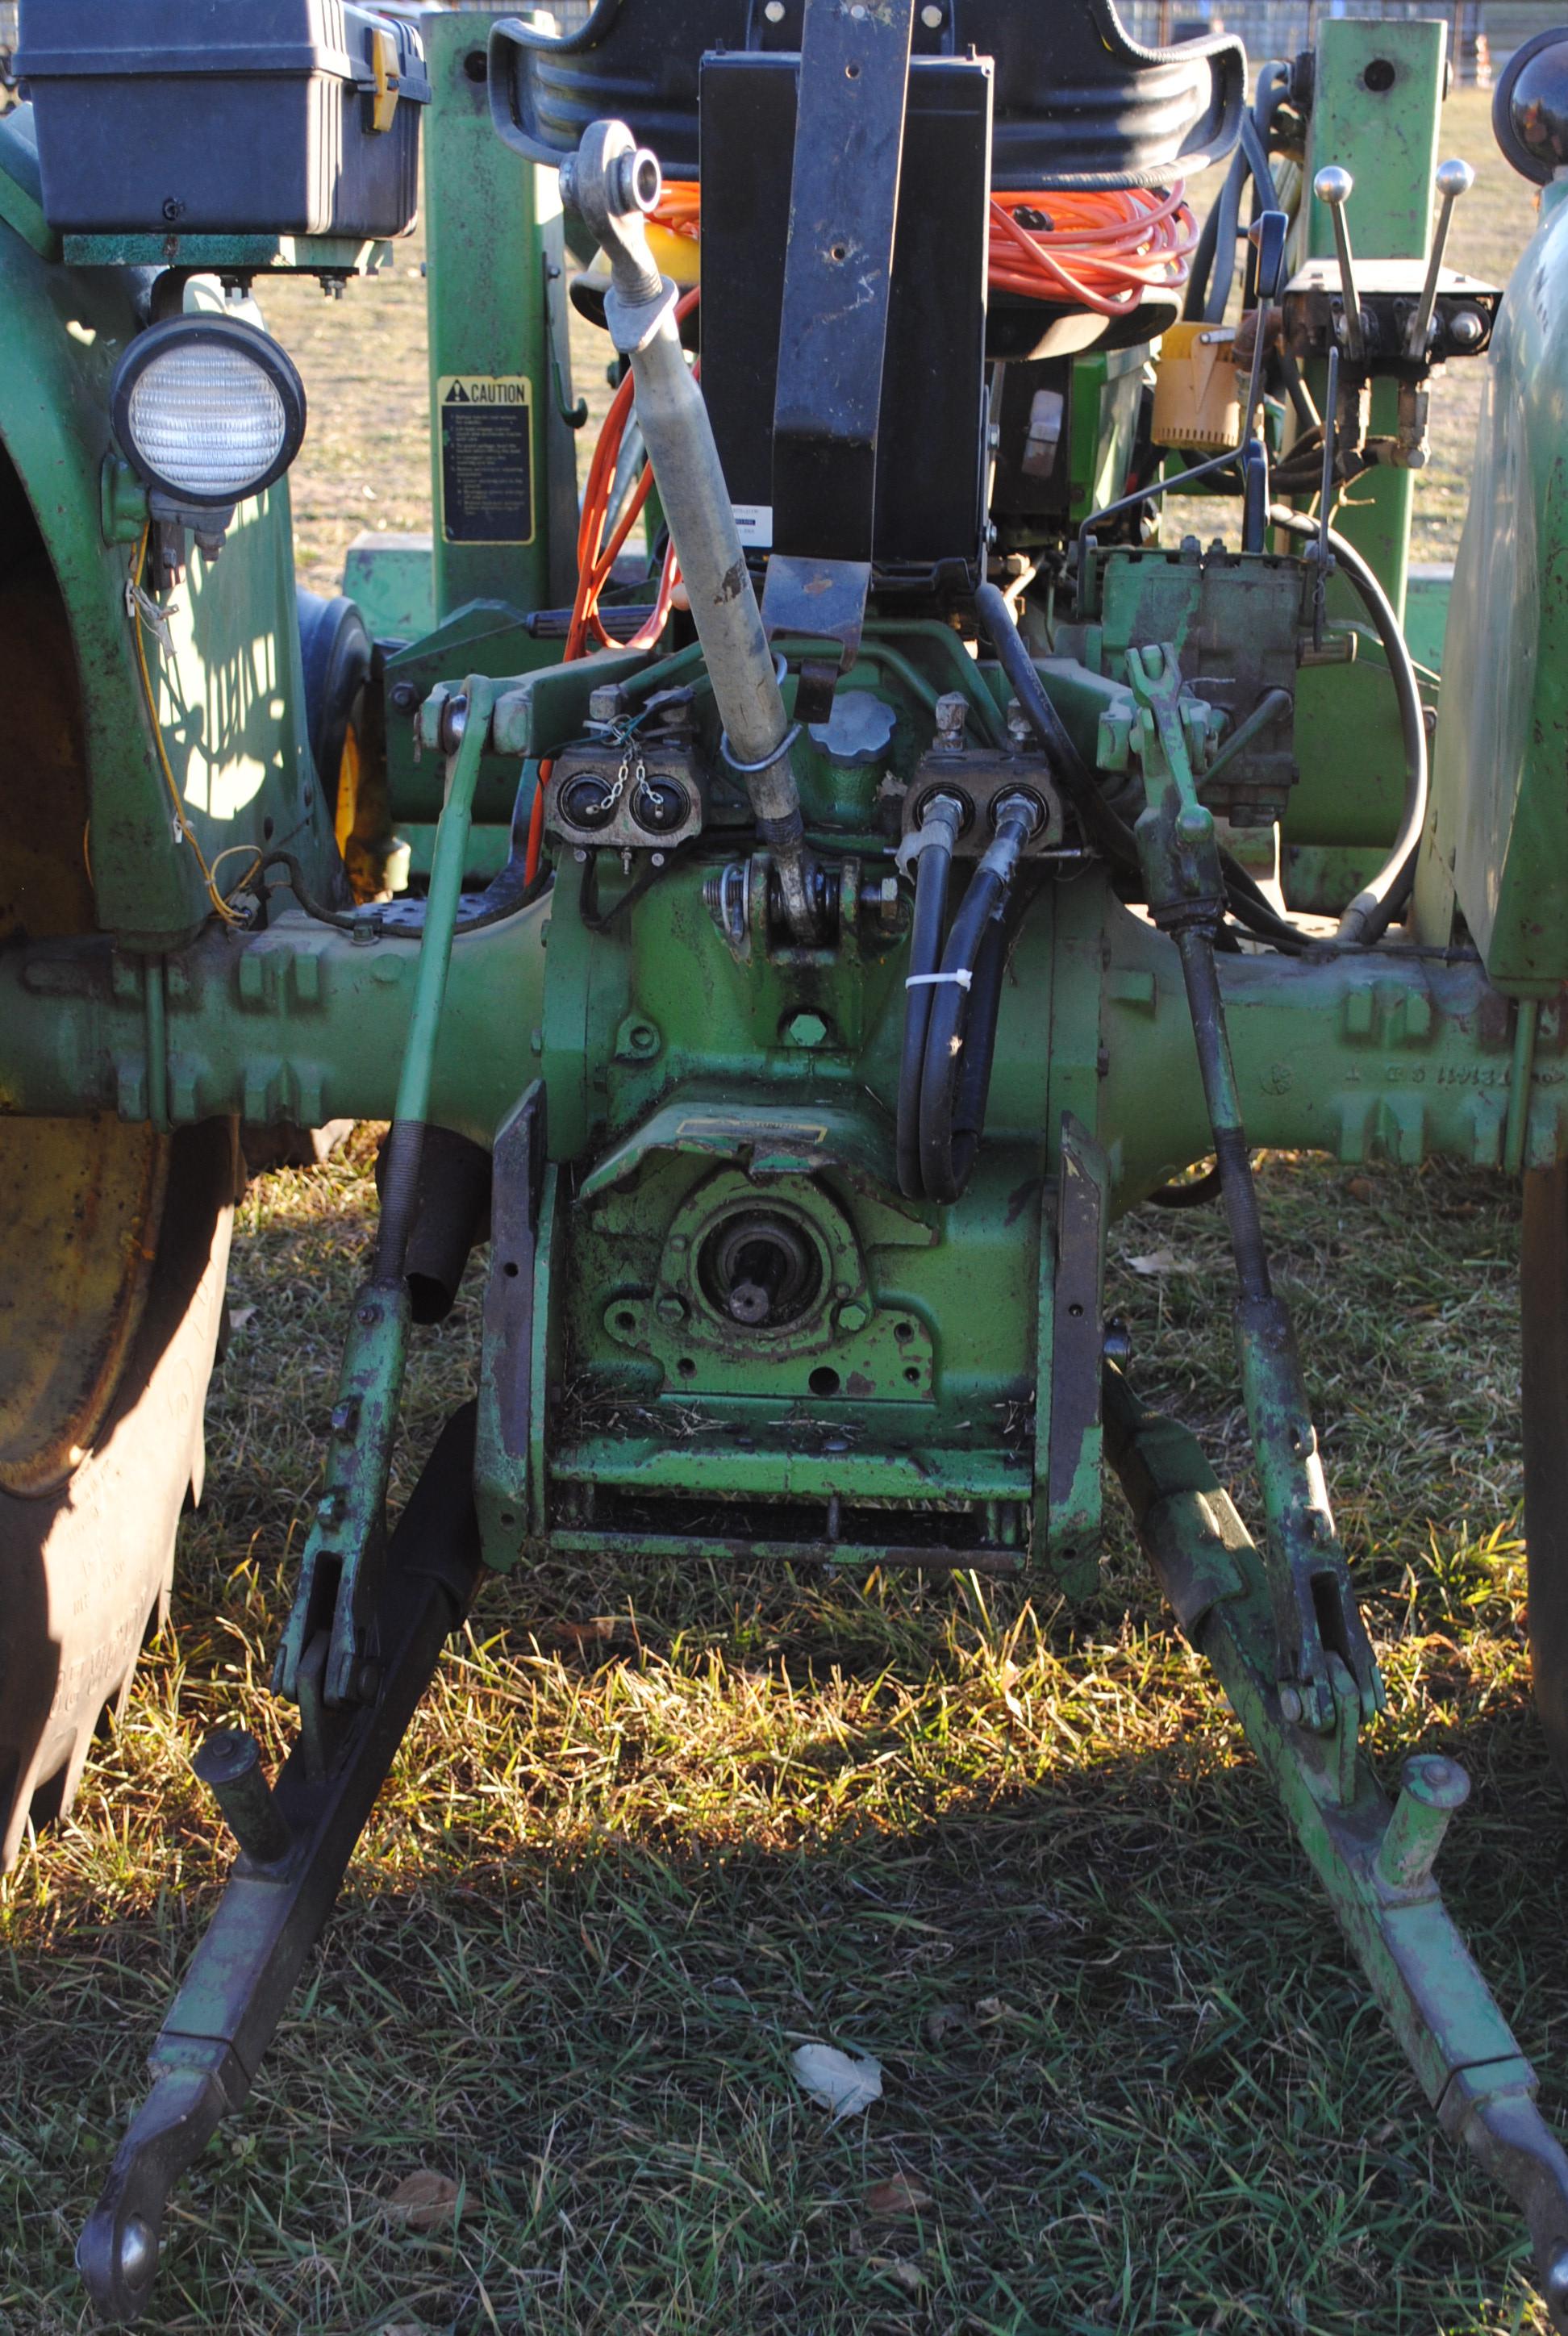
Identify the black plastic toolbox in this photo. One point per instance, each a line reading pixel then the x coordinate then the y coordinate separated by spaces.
pixel 224 117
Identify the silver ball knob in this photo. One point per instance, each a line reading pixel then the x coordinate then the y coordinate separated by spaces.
pixel 1454 179
pixel 1333 185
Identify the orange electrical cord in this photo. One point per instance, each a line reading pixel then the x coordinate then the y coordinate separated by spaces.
pixel 596 559
pixel 1103 250
pixel 1100 248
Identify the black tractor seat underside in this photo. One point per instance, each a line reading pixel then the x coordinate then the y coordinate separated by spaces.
pixel 1078 102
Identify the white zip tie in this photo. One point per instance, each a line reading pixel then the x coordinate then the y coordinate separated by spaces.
pixel 965 978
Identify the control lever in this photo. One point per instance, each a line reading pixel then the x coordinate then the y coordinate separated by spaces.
pixel 1334 186
pixel 1453 179
pixel 1266 235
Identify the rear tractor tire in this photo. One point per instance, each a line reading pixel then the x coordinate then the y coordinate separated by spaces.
pixel 114 1251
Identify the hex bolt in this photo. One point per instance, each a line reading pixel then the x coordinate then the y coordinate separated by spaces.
pixel 850 1317
pixel 606 702
pixel 1431 1788
pixel 229 1765
pixel 671 1308
pixel 405 697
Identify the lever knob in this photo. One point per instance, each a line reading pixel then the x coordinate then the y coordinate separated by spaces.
pixel 1453 179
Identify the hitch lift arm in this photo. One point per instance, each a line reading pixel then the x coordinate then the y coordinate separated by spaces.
pixel 1374 1860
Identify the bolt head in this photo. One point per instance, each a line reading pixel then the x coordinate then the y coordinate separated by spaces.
pixel 774 12
pixel 1333 185
pixel 1465 328
pixel 851 1318
pixel 1290 1705
pixel 1432 1778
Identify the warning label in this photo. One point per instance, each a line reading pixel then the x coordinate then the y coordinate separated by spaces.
pixel 486 458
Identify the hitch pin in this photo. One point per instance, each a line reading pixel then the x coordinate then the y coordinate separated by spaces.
pixel 1430 1789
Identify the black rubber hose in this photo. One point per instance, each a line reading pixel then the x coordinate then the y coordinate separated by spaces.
pixel 1372 912
pixel 933 873
pixel 943 1172
pixel 1072 773
pixel 980 1047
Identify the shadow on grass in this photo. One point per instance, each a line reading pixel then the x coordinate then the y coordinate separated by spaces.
pixel 1125 2054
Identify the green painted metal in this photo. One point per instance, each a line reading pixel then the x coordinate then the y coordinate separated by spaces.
pixel 497 312
pixel 339 1589
pixel 1497 842
pixel 1377 93
pixel 392 580
pixel 230 689
pixel 236 258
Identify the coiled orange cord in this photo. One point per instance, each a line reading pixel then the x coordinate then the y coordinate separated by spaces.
pixel 1099 248
pixel 1103 250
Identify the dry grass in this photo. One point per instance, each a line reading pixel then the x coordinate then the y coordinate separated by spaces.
pixel 654 1826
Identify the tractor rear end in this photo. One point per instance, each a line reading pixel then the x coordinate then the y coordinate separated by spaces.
pixel 787 902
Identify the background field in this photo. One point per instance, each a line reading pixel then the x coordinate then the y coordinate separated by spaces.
pixel 654 1828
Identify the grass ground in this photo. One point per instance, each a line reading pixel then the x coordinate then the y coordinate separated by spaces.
pixel 654 1828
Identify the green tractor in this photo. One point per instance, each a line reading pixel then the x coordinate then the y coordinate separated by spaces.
pixel 788 897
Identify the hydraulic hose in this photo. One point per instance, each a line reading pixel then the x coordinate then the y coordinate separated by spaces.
pixel 967 994
pixel 939 832
pixel 1370 914
pixel 1072 773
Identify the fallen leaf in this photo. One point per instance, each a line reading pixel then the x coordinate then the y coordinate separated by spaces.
pixel 904 2194
pixel 240 1315
pixel 584 1634
pixel 1159 1261
pixel 909 2276
pixel 426 2201
pixel 991 2007
pixel 837 2081
pixel 1361 1188
pixel 948 2020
